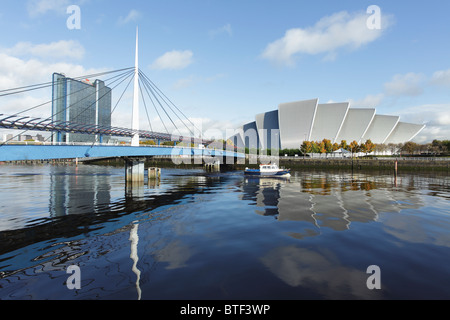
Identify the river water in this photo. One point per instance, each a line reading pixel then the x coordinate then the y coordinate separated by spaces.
pixel 198 236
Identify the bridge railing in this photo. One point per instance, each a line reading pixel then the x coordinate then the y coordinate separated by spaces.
pixel 115 144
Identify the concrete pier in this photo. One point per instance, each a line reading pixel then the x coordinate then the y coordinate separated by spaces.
pixel 134 169
pixel 213 166
pixel 154 173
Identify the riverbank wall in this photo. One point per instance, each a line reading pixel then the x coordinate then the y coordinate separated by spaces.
pixel 403 164
pixel 368 164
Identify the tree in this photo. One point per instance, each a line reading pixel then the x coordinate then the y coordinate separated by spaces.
pixel 344 145
pixel 392 147
pixel 314 147
pixel 327 145
pixel 321 147
pixel 335 146
pixel 148 142
pixel 367 147
pixel 410 147
pixel 354 147
pixel 306 147
pixel 380 147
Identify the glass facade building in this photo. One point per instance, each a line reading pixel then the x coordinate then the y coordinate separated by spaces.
pixel 83 103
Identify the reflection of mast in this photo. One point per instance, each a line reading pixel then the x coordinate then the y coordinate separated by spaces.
pixel 134 238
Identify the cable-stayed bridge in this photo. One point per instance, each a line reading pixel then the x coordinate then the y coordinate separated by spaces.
pixel 171 142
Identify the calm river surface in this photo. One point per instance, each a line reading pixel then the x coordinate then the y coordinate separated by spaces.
pixel 199 235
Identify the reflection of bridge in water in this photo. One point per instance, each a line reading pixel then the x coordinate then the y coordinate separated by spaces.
pixel 328 200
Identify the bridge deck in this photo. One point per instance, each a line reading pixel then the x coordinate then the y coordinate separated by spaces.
pixel 39 152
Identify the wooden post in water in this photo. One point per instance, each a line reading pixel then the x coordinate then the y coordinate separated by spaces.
pixel 396 168
pixel 395 172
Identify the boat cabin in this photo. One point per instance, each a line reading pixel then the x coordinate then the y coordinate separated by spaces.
pixel 268 167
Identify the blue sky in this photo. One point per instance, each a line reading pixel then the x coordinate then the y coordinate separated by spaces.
pixel 222 62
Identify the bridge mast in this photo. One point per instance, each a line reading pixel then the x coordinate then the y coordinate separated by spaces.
pixel 135 120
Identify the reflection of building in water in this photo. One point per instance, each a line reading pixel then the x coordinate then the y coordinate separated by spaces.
pixel 328 201
pixel 265 193
pixel 77 192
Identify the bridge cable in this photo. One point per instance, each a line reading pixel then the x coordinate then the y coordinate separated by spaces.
pixel 162 93
pixel 145 105
pixel 130 74
pixel 156 98
pixel 49 84
pixel 118 101
pixel 127 74
pixel 156 109
pixel 124 76
pixel 162 98
pixel 72 93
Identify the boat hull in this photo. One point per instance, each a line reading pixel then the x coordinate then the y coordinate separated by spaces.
pixel 258 173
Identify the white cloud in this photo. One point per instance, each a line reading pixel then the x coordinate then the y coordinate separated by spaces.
pixel 56 50
pixel 226 29
pixel 369 101
pixel 16 72
pixel 132 16
pixel 39 7
pixel 329 34
pixel 410 84
pixel 436 117
pixel 441 78
pixel 173 60
pixel 183 83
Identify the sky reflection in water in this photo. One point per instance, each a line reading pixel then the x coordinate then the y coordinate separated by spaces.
pixel 198 235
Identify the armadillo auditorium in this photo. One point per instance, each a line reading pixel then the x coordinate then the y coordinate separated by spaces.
pixel 307 120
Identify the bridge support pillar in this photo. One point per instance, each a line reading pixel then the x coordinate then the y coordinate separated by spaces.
pixel 134 169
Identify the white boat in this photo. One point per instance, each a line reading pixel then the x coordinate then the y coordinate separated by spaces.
pixel 268 170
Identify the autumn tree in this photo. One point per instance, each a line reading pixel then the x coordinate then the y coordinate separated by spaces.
pixel 367 147
pixel 306 147
pixel 354 147
pixel 335 146
pixel 321 147
pixel 327 145
pixel 344 145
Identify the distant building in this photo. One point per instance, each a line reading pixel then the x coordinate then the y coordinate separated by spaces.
pixel 23 138
pixel 295 122
pixel 80 102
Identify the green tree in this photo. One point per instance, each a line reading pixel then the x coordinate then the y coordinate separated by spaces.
pixel 314 147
